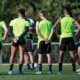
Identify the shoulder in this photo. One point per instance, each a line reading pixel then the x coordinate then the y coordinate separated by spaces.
pixel 39 20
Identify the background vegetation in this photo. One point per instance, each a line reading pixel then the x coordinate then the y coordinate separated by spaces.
pixel 53 8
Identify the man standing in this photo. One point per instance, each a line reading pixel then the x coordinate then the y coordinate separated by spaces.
pixel 77 39
pixel 18 30
pixel 29 46
pixel 43 30
pixel 2 27
pixel 67 38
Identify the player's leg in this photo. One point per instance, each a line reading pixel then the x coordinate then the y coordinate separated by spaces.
pixel 31 60
pixel 21 58
pixel 30 52
pixel 40 64
pixel 61 55
pixel 48 52
pixel 13 53
pixel 40 51
pixel 63 46
pixel 71 48
pixel 49 63
pixel 73 61
pixel 79 57
pixel 26 57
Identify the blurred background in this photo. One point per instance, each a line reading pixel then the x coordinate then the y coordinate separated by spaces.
pixel 53 8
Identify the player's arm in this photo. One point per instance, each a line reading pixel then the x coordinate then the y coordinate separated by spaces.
pixel 11 31
pixel 77 24
pixel 58 21
pixel 24 33
pixel 77 33
pixel 5 32
pixel 37 30
pixel 51 34
pixel 53 28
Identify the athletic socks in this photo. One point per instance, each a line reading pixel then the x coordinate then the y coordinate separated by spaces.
pixel 28 66
pixel 32 65
pixel 11 67
pixel 73 65
pixel 40 67
pixel 60 67
pixel 50 68
pixel 20 67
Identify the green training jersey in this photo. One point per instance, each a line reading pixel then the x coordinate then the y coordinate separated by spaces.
pixel 19 25
pixel 2 24
pixel 67 26
pixel 44 28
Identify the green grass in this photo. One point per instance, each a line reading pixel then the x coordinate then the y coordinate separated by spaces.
pixel 30 75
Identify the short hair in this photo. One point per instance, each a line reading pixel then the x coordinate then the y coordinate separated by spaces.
pixel 21 11
pixel 67 9
pixel 42 12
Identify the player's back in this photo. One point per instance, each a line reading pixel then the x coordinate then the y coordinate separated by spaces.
pixel 18 25
pixel 67 25
pixel 45 27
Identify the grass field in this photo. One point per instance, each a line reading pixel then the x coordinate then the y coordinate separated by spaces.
pixel 30 75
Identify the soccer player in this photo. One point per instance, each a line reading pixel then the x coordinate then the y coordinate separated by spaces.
pixel 2 27
pixel 66 37
pixel 18 30
pixel 77 39
pixel 29 48
pixel 43 30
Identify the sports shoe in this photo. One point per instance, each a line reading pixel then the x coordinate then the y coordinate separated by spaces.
pixel 60 72
pixel 9 72
pixel 20 72
pixel 78 70
pixel 39 72
pixel 50 72
pixel 74 72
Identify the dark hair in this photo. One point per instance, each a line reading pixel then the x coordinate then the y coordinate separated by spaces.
pixel 68 10
pixel 43 12
pixel 22 12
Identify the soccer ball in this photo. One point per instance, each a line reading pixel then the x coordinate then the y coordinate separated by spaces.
pixel 35 65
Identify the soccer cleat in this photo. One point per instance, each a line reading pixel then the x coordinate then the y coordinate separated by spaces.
pixel 60 72
pixel 50 72
pixel 9 72
pixel 20 72
pixel 74 72
pixel 78 70
pixel 39 72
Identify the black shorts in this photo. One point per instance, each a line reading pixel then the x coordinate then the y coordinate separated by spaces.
pixel 67 43
pixel 20 42
pixel 29 45
pixel 0 45
pixel 44 48
pixel 76 48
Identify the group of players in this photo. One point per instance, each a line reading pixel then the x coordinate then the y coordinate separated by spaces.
pixel 21 31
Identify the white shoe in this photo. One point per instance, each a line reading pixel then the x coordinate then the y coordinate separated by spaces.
pixel 78 70
pixel 9 72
